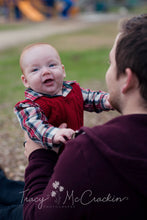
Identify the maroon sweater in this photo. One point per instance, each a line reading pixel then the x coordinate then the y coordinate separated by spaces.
pixel 102 174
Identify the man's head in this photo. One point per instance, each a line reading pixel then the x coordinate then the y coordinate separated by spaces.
pixel 127 73
pixel 42 69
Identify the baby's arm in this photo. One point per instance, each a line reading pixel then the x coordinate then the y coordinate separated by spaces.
pixel 96 101
pixel 35 123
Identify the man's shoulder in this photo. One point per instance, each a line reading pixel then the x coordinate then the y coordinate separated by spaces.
pixel 116 131
pixel 104 129
pixel 112 130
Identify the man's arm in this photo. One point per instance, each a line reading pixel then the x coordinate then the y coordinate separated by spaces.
pixel 50 187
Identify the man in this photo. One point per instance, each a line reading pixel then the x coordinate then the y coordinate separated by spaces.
pixel 103 172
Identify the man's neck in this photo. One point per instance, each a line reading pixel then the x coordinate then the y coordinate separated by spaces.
pixel 137 111
pixel 134 108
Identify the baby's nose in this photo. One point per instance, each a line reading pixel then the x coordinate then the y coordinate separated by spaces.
pixel 45 71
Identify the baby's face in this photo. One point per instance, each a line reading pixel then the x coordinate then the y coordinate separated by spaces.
pixel 43 71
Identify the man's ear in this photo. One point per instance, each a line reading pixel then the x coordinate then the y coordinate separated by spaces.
pixel 130 81
pixel 24 80
pixel 64 73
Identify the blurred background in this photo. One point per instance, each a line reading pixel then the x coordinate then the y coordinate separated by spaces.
pixel 39 10
pixel 82 31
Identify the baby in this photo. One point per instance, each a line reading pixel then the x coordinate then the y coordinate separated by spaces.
pixel 51 101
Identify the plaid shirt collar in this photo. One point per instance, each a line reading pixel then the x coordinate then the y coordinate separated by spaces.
pixel 32 95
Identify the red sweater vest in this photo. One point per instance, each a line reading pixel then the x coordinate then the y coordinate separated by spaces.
pixel 61 109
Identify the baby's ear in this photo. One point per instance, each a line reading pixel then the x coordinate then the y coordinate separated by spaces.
pixel 24 80
pixel 64 73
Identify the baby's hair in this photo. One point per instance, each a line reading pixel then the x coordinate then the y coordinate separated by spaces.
pixel 30 46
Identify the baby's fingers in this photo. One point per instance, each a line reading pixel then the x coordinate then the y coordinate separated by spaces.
pixel 68 134
pixel 62 139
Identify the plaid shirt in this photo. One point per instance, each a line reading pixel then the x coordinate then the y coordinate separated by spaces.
pixel 35 123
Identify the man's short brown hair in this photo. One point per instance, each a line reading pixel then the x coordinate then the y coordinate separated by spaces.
pixel 131 50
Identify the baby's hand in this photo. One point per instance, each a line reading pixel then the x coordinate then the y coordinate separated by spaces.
pixel 63 135
pixel 107 103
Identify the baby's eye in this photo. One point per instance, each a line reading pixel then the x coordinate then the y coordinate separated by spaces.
pixel 35 69
pixel 52 65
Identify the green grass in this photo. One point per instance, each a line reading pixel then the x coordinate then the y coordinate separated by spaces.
pixel 139 9
pixel 9 76
pixel 12 25
pixel 85 65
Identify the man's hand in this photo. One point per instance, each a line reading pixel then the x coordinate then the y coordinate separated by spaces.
pixel 30 146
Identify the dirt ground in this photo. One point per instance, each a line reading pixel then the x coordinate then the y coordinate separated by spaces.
pixel 12 156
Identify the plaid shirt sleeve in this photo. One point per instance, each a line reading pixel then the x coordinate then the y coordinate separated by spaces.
pixel 35 123
pixel 95 101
